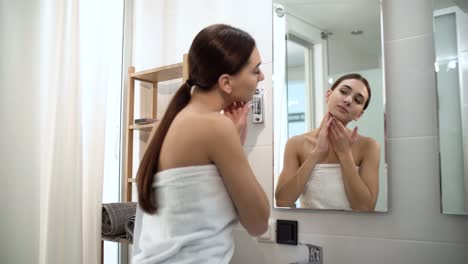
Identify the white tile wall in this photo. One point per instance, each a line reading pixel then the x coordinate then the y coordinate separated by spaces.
pixel 412 81
pixel 416 113
pixel 184 19
pixel 352 250
pixel 406 19
pixel 262 134
pixel 148 34
pixel 260 157
pixel 464 32
pixel 414 230
pixel 20 140
pixel 412 54
pixel 463 66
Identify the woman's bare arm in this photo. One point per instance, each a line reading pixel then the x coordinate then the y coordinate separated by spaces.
pixel 294 175
pixel 250 200
pixel 361 186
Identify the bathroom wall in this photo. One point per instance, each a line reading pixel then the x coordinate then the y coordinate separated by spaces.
pixel 414 230
pixel 19 140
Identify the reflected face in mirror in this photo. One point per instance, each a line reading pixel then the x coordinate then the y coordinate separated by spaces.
pixel 329 136
pixel 347 99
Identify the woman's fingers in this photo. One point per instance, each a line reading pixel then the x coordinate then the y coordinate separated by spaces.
pixel 334 131
pixel 238 112
pixel 354 135
pixel 341 128
pixel 328 124
pixel 325 119
pixel 246 108
pixel 324 129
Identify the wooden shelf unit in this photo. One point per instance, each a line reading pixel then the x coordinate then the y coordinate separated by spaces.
pixel 143 126
pixel 153 76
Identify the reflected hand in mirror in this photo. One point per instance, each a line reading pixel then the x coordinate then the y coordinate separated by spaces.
pixel 333 167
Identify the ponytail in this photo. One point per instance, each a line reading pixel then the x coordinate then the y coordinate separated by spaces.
pixel 149 163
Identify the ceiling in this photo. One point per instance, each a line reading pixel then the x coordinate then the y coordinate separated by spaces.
pixel 340 17
pixel 439 4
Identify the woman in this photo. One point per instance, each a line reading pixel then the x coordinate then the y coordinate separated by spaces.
pixel 194 181
pixel 332 167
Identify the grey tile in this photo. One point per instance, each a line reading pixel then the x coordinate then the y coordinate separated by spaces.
pixel 410 88
pixel 261 161
pixel 350 250
pixel 463 67
pixel 403 19
pixel 262 134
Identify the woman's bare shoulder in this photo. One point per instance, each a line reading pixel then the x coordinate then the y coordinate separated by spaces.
pixel 368 143
pixel 296 141
pixel 203 120
pixel 302 139
pixel 301 142
pixel 212 126
pixel 202 125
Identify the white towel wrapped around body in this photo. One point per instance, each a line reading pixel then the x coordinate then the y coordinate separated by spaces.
pixel 194 219
pixel 325 189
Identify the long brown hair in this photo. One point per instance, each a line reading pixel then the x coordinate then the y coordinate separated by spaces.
pixel 356 76
pixel 217 49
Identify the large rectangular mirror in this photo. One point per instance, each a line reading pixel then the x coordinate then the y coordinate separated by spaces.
pixel 450 23
pixel 328 80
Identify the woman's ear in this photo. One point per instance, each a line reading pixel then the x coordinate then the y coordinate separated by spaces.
pixel 327 94
pixel 359 116
pixel 225 83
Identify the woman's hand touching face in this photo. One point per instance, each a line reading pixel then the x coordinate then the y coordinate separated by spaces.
pixel 340 138
pixel 238 112
pixel 321 141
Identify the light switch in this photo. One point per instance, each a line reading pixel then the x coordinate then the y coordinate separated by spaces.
pixel 269 235
pixel 257 106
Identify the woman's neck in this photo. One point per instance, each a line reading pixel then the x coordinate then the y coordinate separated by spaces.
pixel 212 100
pixel 315 131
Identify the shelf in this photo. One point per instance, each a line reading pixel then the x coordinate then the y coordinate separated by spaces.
pixel 159 74
pixel 131 180
pixel 142 126
pixel 121 240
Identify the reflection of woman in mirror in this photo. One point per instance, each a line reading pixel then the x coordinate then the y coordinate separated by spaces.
pixel 333 167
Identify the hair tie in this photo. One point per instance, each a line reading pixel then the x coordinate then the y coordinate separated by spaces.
pixel 189 82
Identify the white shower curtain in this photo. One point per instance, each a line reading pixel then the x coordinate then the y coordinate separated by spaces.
pixel 75 64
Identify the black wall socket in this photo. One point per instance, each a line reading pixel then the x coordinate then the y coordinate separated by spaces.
pixel 286 232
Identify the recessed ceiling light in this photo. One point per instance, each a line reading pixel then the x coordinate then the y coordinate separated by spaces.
pixel 357 32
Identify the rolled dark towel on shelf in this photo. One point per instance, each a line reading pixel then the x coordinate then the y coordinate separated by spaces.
pixel 115 217
pixel 129 226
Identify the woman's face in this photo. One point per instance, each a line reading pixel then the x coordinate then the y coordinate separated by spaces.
pixel 245 82
pixel 346 101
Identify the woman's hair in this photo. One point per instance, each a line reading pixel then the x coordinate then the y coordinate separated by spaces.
pixel 217 49
pixel 356 76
